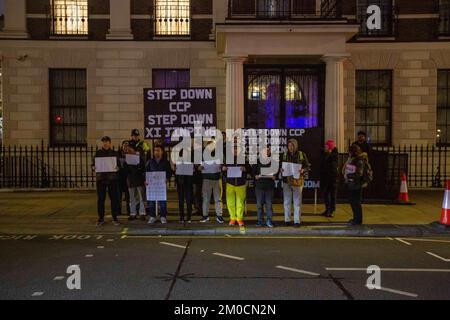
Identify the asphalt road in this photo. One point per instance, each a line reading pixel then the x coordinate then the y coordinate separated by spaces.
pixel 127 267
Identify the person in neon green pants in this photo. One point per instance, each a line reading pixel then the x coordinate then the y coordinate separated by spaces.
pixel 236 189
pixel 236 195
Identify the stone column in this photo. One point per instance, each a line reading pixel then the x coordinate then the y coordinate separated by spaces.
pixel 334 99
pixel 15 20
pixel 234 118
pixel 120 21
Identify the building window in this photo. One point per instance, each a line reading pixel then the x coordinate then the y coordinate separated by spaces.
pixel 271 9
pixel 387 18
pixel 374 104
pixel 443 107
pixel 68 107
pixel 170 78
pixel 172 17
pixel 444 17
pixel 69 17
pixel 279 98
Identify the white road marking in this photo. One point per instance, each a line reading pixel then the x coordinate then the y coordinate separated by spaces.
pixel 89 255
pixel 391 270
pixel 173 245
pixel 58 278
pixel 228 256
pixel 298 271
pixel 403 293
pixel 439 257
pixel 37 294
pixel 110 240
pixel 100 247
pixel 429 240
pixel 403 241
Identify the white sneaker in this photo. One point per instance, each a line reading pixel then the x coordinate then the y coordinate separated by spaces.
pixel 163 220
pixel 152 220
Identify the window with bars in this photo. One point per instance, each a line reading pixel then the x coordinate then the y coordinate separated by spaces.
pixel 170 78
pixel 443 107
pixel 172 17
pixel 68 107
pixel 444 17
pixel 387 18
pixel 374 105
pixel 69 17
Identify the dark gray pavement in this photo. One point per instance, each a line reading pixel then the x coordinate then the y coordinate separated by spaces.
pixel 235 267
pixel 75 213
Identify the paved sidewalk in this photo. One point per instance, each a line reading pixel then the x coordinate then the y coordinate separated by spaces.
pixel 75 213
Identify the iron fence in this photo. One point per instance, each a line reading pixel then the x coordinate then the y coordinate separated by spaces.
pixel 284 9
pixel 43 166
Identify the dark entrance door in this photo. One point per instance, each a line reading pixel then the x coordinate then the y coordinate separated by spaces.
pixel 289 98
pixel 284 97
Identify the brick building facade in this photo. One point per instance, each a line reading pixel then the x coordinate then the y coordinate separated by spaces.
pixel 392 82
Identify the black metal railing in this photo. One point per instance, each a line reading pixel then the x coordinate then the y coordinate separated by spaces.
pixel 284 9
pixel 388 19
pixel 172 19
pixel 69 19
pixel 23 167
pixel 428 165
pixel 444 18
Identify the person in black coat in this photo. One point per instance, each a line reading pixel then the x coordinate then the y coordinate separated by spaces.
pixel 123 186
pixel 107 182
pixel 362 143
pixel 328 177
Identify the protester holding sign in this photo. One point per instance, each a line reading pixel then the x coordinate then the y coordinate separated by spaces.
pixel 353 172
pixel 211 185
pixel 106 166
pixel 135 167
pixel 158 163
pixel 236 189
pixel 293 181
pixel 184 177
pixel 264 188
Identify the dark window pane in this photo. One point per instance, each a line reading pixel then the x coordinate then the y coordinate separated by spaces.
pixel 374 104
pixel 68 106
pixel 170 78
pixel 443 106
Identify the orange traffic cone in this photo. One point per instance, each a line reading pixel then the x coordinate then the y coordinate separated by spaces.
pixel 403 196
pixel 445 216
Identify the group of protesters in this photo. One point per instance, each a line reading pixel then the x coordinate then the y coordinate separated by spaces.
pixel 195 189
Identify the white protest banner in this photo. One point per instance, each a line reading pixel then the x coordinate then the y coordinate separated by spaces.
pixel 234 172
pixel 156 186
pixel 106 164
pixel 291 170
pixel 184 169
pixel 211 167
pixel 132 159
pixel 287 169
pixel 296 168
